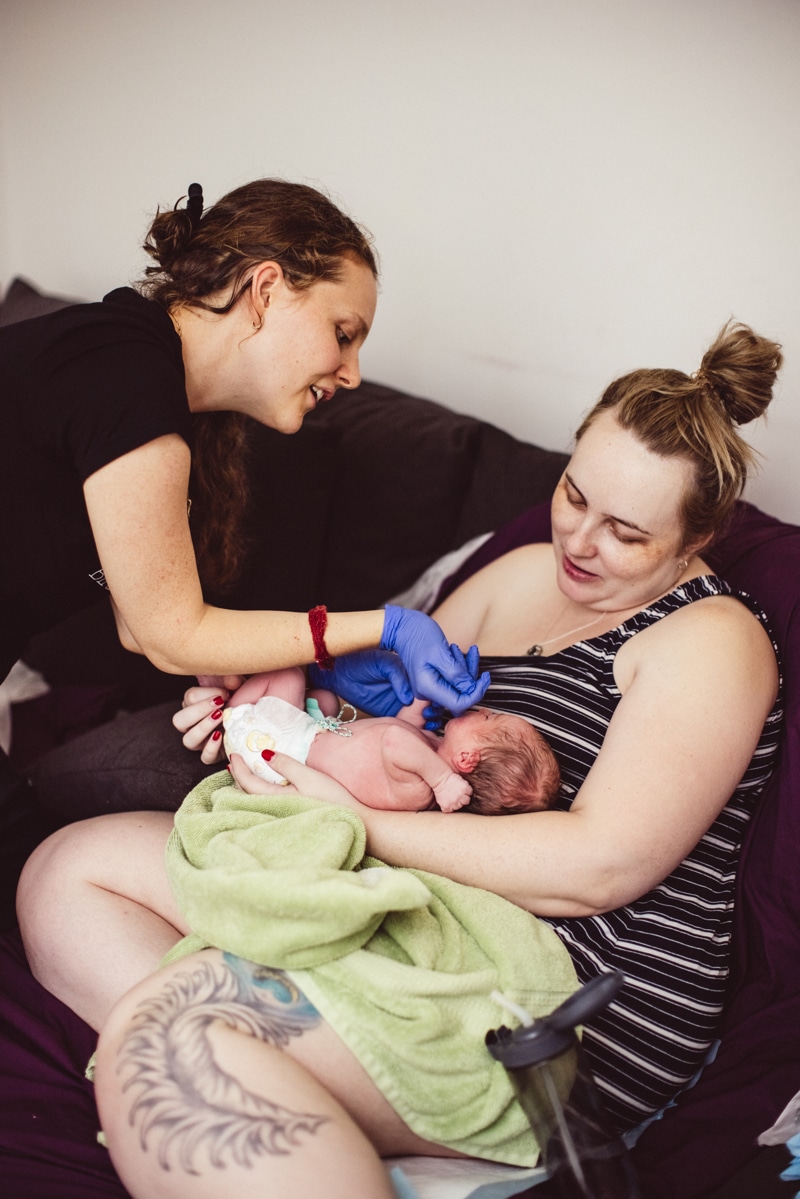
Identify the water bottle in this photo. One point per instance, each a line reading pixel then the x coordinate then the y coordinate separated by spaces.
pixel 584 1157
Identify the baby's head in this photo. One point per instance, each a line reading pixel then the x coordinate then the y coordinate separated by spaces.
pixel 510 766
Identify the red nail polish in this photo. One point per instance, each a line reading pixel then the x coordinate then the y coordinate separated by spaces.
pixel 218 700
pixel 216 715
pixel 215 736
pixel 268 754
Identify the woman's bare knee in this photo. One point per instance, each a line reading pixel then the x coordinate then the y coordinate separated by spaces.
pixel 96 911
pixel 122 852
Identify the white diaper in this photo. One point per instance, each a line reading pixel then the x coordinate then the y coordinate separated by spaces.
pixel 270 723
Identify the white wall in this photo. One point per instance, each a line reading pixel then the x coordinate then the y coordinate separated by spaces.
pixel 561 190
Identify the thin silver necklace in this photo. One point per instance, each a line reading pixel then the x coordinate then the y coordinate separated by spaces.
pixel 535 650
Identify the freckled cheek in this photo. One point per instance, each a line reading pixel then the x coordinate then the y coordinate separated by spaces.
pixel 651 553
pixel 635 562
pixel 323 346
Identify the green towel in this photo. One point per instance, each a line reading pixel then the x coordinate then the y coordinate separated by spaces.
pixel 275 878
pixel 400 962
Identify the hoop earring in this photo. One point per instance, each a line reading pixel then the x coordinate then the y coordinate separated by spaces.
pixel 259 324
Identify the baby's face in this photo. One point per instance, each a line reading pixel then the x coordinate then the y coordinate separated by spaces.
pixel 471 730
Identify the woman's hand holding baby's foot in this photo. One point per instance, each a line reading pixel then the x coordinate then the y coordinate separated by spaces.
pixel 252 784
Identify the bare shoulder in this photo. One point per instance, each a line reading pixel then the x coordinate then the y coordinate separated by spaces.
pixel 388 730
pixel 717 637
pixel 726 620
pixel 392 731
pixel 519 565
pixel 523 559
pixel 485 597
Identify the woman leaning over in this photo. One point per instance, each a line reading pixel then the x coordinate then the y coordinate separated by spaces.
pixel 124 440
pixel 659 692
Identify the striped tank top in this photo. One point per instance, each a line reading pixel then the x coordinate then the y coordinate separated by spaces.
pixel 672 943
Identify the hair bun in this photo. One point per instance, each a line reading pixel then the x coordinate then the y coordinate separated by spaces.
pixel 740 369
pixel 194 204
pixel 171 232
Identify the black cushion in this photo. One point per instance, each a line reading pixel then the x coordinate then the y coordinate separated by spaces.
pixel 23 301
pixel 375 487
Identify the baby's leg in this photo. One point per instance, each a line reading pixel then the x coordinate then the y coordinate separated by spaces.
pixel 329 704
pixel 288 684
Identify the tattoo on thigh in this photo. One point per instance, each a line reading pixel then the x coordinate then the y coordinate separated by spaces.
pixel 187 1105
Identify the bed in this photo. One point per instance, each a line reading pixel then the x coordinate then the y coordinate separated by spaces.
pixel 373 491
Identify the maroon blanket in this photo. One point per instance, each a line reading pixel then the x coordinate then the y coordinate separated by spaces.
pixel 48 1121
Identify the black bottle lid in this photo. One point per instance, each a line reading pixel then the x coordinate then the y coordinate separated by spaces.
pixel 552 1035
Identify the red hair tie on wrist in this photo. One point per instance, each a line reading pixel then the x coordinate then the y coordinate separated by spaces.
pixel 318 623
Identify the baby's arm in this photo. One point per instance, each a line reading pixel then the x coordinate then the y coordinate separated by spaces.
pixel 413 713
pixel 407 757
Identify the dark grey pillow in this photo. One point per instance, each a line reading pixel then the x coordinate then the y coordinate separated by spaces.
pixel 374 488
pixel 23 301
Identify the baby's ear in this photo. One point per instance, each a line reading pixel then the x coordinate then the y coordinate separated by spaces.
pixel 467 760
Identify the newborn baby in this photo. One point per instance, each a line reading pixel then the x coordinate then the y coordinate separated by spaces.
pixel 487 762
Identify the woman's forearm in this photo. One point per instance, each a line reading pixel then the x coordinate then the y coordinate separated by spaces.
pixel 137 510
pixel 541 861
pixel 220 641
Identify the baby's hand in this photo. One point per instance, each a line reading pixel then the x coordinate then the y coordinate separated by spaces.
pixel 453 794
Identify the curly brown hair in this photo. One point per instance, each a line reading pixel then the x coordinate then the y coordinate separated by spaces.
pixel 695 418
pixel 518 771
pixel 212 256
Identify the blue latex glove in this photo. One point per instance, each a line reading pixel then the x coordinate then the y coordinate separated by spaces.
pixel 371 679
pixel 434 713
pixel 437 671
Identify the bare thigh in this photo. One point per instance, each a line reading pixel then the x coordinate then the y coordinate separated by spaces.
pixel 221 1069
pixel 96 910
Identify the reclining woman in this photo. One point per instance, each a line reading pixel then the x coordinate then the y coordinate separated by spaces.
pixel 659 691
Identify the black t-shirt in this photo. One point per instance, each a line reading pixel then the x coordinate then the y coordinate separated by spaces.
pixel 78 388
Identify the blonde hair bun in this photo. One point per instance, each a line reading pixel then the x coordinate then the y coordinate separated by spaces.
pixel 740 368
